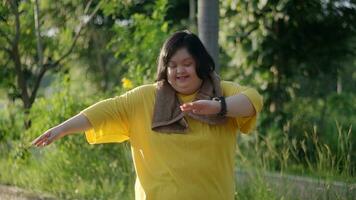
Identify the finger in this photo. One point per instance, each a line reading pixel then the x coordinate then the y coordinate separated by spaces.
pixel 49 139
pixel 185 105
pixel 192 106
pixel 188 106
pixel 37 140
pixel 43 143
pixel 42 138
pixel 38 143
pixel 187 109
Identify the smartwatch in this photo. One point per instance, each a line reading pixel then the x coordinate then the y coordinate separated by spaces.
pixel 223 109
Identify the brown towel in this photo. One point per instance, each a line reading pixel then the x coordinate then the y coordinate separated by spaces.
pixel 167 116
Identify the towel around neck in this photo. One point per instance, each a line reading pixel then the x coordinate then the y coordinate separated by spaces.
pixel 167 116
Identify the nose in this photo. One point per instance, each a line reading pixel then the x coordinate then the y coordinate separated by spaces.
pixel 180 69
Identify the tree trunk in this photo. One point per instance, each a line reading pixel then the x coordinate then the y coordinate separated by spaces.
pixel 338 82
pixel 208 27
pixel 192 15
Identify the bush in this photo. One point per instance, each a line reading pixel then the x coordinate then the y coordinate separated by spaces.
pixel 308 144
pixel 69 168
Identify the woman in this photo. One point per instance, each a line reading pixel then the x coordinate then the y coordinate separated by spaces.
pixel 182 129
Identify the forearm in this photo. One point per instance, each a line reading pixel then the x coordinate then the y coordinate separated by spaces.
pixel 76 124
pixel 239 106
pixel 236 106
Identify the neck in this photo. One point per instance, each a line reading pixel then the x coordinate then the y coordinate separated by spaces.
pixel 192 90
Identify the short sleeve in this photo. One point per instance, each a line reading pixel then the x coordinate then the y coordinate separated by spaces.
pixel 110 120
pixel 245 124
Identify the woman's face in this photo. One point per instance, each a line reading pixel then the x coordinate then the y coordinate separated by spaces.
pixel 181 72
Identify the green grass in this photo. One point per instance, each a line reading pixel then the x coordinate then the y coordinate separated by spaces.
pixel 76 172
pixel 73 169
pixel 307 156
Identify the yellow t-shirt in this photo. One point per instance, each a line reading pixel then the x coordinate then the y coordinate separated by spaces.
pixel 195 165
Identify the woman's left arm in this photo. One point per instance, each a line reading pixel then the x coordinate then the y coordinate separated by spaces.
pixel 239 106
pixel 236 106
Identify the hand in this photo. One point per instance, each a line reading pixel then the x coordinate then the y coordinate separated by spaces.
pixel 48 137
pixel 202 107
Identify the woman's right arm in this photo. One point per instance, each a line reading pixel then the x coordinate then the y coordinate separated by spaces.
pixel 78 123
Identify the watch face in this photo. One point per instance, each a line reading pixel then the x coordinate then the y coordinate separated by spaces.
pixel 216 99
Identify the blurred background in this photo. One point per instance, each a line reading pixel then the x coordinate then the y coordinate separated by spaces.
pixel 58 57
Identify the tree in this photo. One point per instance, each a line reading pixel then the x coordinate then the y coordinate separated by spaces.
pixel 28 55
pixel 137 42
pixel 208 27
pixel 192 15
pixel 283 46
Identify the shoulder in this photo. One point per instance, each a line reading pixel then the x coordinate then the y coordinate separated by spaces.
pixel 228 84
pixel 147 88
pixel 229 88
pixel 143 91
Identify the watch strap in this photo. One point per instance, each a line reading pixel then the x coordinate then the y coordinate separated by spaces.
pixel 223 109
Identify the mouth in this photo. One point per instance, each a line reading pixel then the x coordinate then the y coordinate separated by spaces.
pixel 182 78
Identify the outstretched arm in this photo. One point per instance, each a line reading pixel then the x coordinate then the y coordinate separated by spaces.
pixel 78 123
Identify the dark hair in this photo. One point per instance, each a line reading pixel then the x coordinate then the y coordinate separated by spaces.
pixel 185 39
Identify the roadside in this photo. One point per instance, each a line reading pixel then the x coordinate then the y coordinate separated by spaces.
pixel 298 187
pixel 15 193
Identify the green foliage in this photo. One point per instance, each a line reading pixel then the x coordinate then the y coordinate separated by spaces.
pixel 328 116
pixel 256 190
pixel 293 51
pixel 306 154
pixel 324 113
pixel 11 122
pixel 118 44
pixel 138 43
pixel 288 47
pixel 28 51
pixel 69 168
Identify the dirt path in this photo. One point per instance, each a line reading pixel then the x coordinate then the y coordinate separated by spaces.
pixel 299 187
pixel 15 193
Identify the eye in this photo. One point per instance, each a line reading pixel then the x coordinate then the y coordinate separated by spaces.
pixel 187 64
pixel 172 66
